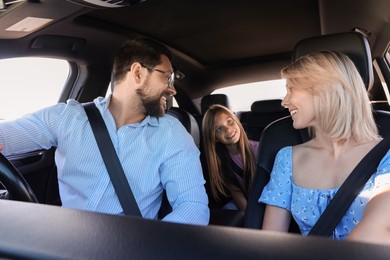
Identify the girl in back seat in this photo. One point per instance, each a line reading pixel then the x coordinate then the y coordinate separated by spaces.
pixel 230 155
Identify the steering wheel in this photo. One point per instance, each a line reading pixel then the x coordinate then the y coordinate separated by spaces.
pixel 13 181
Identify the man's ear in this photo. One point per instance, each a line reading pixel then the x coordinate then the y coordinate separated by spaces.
pixel 136 72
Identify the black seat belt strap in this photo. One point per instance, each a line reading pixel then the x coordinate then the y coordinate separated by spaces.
pixel 111 160
pixel 237 169
pixel 349 190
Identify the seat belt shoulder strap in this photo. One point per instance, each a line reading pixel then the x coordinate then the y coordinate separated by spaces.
pixel 349 190
pixel 111 160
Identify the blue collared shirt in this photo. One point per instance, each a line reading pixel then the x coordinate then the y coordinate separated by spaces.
pixel 155 154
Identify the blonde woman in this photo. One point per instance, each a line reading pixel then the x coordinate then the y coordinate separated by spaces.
pixel 325 93
pixel 230 156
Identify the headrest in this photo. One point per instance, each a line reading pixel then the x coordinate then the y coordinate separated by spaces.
pixel 267 106
pixel 212 99
pixel 352 44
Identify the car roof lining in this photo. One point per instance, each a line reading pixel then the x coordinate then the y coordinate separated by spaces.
pixel 210 64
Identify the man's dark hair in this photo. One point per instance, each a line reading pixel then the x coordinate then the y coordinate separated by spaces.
pixel 143 50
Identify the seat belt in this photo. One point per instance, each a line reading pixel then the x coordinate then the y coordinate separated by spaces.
pixel 349 190
pixel 111 160
pixel 237 169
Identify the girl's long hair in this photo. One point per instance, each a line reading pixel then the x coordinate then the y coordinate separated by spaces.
pixel 218 157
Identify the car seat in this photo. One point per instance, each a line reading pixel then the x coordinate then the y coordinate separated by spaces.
pixel 212 99
pixel 263 112
pixel 281 132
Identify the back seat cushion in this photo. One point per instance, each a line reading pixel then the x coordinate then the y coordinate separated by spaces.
pixel 263 112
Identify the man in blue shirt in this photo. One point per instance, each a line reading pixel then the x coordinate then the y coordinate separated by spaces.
pixel 155 150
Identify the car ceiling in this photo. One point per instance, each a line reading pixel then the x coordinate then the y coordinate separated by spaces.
pixel 223 41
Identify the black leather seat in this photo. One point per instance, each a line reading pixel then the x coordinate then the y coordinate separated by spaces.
pixel 212 99
pixel 263 112
pixel 208 101
pixel 281 132
pixel 353 44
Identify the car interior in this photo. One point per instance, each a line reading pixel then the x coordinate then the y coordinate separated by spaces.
pixel 216 45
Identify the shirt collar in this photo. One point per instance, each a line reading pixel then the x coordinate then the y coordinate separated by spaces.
pixel 103 103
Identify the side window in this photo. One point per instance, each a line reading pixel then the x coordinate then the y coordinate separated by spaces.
pixel 29 84
pixel 383 71
pixel 387 56
pixel 174 102
pixel 242 96
pixel 386 87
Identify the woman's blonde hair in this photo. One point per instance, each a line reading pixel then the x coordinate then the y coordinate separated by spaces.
pixel 214 149
pixel 342 106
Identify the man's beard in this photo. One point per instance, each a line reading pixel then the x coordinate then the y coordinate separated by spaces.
pixel 152 105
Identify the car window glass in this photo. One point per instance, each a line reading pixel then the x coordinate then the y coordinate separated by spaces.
pixel 242 96
pixel 385 87
pixel 29 84
pixel 174 102
pixel 387 56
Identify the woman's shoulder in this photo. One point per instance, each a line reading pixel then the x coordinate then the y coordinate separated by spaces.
pixel 287 150
pixel 284 155
pixel 384 164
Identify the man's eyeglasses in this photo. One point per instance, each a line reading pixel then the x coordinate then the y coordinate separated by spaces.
pixel 170 75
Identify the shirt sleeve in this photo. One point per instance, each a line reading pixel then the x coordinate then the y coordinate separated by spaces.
pixel 279 189
pixel 33 131
pixel 182 178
